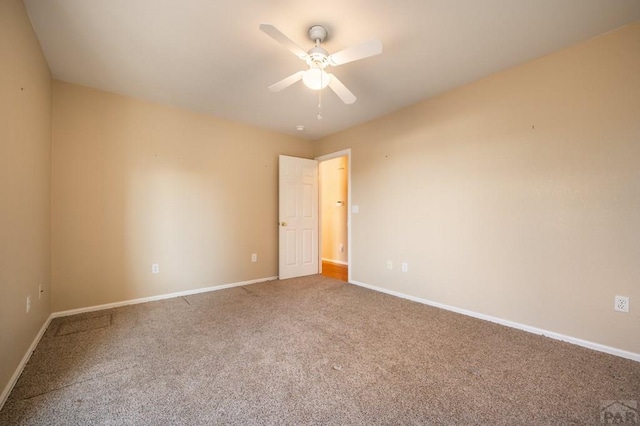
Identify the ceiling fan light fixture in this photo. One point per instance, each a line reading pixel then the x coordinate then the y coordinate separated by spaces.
pixel 316 78
pixel 318 59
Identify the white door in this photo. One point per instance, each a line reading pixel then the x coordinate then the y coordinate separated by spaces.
pixel 298 217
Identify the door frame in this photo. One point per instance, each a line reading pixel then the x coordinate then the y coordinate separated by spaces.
pixel 320 159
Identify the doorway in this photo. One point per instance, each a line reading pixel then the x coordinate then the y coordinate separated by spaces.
pixel 334 176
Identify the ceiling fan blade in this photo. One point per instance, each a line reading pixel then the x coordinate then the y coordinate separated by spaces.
pixel 286 82
pixel 278 36
pixel 359 51
pixel 341 90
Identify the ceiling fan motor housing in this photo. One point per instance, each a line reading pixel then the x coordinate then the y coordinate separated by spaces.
pixel 318 57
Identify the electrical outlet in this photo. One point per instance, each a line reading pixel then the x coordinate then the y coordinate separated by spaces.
pixel 28 303
pixel 254 257
pixel 155 268
pixel 621 304
pixel 405 267
pixel 389 265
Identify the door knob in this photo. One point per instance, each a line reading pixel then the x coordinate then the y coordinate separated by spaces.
pixel 283 223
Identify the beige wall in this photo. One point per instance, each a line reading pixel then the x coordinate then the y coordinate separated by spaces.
pixel 135 183
pixel 517 196
pixel 25 148
pixel 334 185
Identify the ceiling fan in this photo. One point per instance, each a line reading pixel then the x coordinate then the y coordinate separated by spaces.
pixel 318 60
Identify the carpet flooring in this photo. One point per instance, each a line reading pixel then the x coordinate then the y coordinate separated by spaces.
pixel 311 350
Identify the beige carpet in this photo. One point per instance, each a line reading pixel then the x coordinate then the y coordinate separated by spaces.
pixel 307 351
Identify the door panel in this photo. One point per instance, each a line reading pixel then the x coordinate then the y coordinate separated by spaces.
pixel 298 225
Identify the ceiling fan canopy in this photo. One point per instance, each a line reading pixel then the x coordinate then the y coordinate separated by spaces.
pixel 318 59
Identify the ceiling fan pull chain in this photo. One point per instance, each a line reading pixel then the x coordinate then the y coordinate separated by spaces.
pixel 320 100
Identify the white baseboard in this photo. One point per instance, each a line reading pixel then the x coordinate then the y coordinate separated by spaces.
pixel 339 262
pixel 16 374
pixel 14 379
pixel 159 297
pixel 553 335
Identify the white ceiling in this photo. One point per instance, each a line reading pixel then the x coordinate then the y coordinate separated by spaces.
pixel 209 55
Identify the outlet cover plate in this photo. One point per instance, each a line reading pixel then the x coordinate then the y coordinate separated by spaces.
pixel 621 304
